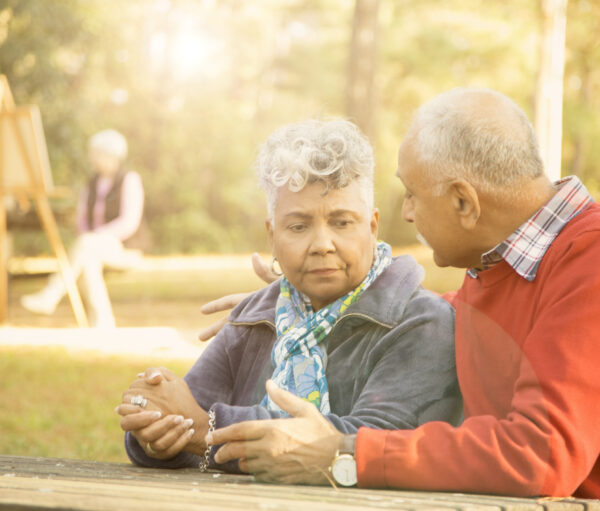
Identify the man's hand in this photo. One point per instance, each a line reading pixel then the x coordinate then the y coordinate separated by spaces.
pixel 262 269
pixel 220 304
pixel 228 302
pixel 291 451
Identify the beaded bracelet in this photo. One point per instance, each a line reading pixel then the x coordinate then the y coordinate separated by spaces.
pixel 203 466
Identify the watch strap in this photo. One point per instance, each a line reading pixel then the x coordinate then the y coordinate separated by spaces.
pixel 347 445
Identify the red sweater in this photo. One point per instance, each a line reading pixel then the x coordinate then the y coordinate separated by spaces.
pixel 528 363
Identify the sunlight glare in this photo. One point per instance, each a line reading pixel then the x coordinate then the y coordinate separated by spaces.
pixel 192 53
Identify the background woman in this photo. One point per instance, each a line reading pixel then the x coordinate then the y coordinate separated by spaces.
pixel 109 217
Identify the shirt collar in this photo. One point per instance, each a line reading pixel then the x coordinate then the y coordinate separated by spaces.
pixel 525 248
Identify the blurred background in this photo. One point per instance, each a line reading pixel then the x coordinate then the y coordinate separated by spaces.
pixel 196 86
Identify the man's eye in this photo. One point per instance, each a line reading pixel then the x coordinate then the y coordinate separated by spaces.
pixel 407 195
pixel 341 224
pixel 297 227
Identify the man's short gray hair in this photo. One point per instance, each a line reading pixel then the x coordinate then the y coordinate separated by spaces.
pixel 476 134
pixel 109 142
pixel 334 152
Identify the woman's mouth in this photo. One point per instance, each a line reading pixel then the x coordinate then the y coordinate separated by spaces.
pixel 323 272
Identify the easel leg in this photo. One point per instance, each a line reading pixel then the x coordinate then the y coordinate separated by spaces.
pixel 49 224
pixel 3 269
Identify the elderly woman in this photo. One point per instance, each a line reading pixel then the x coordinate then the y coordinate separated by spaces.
pixel 346 328
pixel 109 221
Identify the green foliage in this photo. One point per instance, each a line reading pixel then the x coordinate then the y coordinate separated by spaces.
pixel 65 403
pixel 196 86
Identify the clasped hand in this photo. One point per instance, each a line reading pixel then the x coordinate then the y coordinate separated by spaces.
pixel 171 420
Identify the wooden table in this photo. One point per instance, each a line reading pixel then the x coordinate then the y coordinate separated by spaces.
pixel 45 483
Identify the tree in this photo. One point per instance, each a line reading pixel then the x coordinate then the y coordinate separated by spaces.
pixel 549 95
pixel 362 63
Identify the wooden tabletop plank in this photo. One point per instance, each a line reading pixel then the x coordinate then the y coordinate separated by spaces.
pixel 46 483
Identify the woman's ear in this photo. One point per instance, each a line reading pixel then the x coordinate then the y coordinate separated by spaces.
pixel 375 222
pixel 465 203
pixel 269 226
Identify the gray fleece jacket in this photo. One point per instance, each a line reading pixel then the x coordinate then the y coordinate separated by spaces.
pixel 390 362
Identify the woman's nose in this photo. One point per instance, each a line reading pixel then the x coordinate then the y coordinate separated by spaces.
pixel 322 242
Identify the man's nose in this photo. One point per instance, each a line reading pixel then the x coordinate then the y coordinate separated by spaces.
pixel 408 212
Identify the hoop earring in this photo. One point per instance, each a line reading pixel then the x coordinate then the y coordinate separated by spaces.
pixel 272 268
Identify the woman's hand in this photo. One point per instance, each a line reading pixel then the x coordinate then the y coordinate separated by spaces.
pixel 169 394
pixel 160 437
pixel 164 391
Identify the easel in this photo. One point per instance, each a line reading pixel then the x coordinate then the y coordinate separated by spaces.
pixel 25 174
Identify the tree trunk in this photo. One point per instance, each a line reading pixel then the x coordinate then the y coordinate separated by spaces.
pixel 549 96
pixel 361 66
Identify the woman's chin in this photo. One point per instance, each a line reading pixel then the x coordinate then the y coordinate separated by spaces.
pixel 324 292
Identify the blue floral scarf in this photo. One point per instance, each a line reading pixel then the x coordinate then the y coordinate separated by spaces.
pixel 300 352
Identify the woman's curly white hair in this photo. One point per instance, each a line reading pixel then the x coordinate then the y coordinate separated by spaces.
pixel 334 152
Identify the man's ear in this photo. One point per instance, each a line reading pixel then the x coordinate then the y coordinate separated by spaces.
pixel 465 202
pixel 375 223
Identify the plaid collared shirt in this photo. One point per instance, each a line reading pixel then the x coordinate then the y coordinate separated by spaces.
pixel 524 249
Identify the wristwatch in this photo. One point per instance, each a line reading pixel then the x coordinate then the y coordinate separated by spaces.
pixel 343 466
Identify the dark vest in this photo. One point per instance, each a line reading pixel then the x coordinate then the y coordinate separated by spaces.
pixel 139 239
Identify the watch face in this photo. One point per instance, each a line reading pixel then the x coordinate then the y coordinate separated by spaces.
pixel 344 470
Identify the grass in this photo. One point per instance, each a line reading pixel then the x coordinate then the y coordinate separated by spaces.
pixel 58 404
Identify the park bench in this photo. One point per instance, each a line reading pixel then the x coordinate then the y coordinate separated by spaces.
pixel 49 483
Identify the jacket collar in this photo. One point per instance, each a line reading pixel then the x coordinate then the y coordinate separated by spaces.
pixel 383 302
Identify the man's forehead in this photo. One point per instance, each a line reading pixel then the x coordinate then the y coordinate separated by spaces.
pixel 401 160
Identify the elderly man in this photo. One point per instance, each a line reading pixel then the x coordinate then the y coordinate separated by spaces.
pixel 526 341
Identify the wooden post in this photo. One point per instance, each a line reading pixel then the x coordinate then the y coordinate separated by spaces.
pixel 49 224
pixel 549 97
pixel 6 102
pixel 3 260
pixel 33 181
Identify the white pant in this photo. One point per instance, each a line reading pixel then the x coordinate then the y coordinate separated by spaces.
pixel 88 256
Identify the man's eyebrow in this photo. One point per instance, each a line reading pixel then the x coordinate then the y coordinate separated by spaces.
pixel 340 212
pixel 297 214
pixel 399 176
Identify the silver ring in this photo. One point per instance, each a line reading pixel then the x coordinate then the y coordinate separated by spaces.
pixel 139 400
